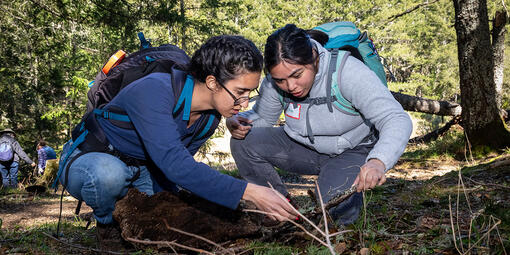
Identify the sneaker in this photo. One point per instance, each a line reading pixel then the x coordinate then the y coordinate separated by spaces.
pixel 109 238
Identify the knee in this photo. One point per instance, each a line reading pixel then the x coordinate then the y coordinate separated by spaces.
pixel 102 170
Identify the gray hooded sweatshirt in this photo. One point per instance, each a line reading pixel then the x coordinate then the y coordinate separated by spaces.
pixel 16 148
pixel 334 132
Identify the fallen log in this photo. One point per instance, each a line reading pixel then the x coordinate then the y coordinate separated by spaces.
pixel 419 104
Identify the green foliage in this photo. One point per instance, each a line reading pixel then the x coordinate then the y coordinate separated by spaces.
pixel 52 49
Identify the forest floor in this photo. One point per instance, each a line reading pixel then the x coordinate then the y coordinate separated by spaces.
pixel 425 207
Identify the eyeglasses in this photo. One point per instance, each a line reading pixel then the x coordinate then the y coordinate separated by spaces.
pixel 240 100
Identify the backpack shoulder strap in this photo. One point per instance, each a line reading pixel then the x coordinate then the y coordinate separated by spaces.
pixel 336 66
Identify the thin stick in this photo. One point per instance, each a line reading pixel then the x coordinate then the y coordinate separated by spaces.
pixel 326 230
pixel 457 214
pixel 488 232
pixel 340 232
pixel 296 211
pixel 81 247
pixel 451 222
pixel 169 244
pixel 501 241
pixel 295 223
pixel 193 235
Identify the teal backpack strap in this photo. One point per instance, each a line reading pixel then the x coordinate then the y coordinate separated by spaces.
pixel 331 70
pixel 341 103
pixel 144 43
pixel 185 97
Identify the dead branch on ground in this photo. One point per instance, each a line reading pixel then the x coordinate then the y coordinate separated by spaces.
pixel 436 133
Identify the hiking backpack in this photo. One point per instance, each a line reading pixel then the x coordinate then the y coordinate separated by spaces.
pixel 6 153
pixel 346 39
pixel 121 72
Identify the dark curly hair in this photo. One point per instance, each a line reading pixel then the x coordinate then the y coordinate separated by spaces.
pixel 225 57
pixel 293 45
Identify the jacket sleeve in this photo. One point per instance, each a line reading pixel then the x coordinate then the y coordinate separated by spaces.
pixel 268 108
pixel 19 151
pixel 373 100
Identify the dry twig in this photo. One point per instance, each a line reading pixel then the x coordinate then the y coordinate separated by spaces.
pixel 195 236
pixel 326 230
pixel 81 247
pixel 169 244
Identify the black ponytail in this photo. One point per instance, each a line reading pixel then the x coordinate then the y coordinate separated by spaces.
pixel 293 45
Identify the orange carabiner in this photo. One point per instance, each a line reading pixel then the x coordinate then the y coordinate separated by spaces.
pixel 114 60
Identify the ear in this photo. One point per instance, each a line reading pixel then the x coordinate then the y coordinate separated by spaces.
pixel 211 83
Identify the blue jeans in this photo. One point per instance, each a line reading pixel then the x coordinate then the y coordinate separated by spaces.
pixel 100 179
pixel 266 148
pixel 9 172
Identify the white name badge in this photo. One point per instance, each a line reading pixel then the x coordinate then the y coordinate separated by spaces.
pixel 293 111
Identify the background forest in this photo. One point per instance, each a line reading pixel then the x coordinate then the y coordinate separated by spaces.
pixel 51 49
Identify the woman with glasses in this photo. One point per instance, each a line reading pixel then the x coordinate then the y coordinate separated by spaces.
pixel 344 149
pixel 166 134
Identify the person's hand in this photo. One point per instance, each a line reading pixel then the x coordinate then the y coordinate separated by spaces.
pixel 371 175
pixel 238 126
pixel 269 201
pixel 33 164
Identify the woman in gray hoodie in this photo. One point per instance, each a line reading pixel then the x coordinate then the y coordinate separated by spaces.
pixel 342 148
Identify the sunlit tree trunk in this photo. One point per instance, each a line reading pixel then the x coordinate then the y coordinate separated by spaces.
pixel 481 117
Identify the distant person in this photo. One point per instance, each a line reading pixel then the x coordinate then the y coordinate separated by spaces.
pixel 10 153
pixel 44 153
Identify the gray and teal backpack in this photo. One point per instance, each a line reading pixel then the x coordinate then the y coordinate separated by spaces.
pixel 345 39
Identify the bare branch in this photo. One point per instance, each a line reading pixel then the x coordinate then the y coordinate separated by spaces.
pixel 436 133
pixel 193 235
pixel 411 10
pixel 326 230
pixel 291 221
pixel 81 247
pixel 169 244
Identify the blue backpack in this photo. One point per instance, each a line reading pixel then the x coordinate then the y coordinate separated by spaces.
pixel 50 153
pixel 6 153
pixel 344 40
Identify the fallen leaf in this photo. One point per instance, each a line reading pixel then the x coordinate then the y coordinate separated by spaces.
pixel 364 251
pixel 340 247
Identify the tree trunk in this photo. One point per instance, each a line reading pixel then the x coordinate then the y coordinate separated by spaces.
pixel 419 104
pixel 498 48
pixel 183 28
pixel 481 117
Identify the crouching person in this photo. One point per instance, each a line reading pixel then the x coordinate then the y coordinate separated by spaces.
pixel 166 123
pixel 343 148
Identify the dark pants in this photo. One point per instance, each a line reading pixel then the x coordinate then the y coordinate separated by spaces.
pixel 9 171
pixel 266 148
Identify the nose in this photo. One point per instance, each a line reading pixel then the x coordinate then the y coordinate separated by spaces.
pixel 291 85
pixel 245 104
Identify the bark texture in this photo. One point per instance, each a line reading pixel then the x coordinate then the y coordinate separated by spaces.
pixel 481 117
pixel 498 48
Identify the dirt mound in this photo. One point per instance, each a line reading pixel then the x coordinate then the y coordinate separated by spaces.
pixel 142 217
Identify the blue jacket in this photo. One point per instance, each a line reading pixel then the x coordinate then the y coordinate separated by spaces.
pixel 165 140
